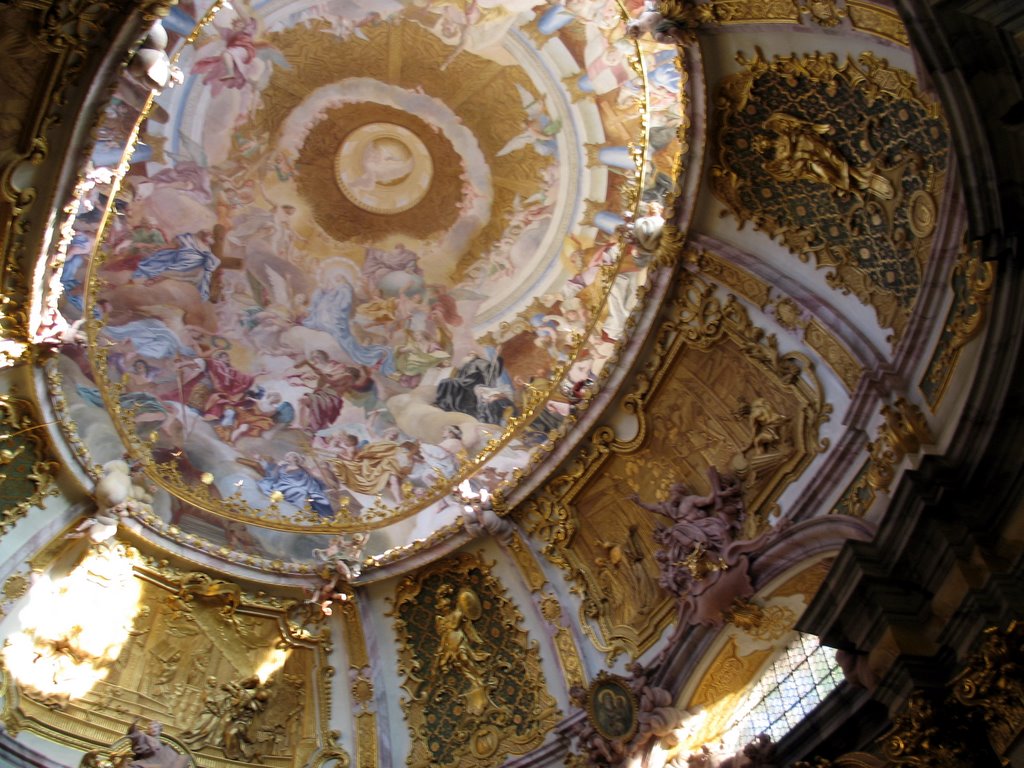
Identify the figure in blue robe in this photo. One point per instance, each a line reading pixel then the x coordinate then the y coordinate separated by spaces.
pixel 188 257
pixel 77 251
pixel 151 338
pixel 143 402
pixel 296 484
pixel 330 310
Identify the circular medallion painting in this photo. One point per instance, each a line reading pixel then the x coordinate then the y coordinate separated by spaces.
pixel 364 253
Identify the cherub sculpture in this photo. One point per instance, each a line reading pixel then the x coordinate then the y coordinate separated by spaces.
pixel 479 516
pixel 117 495
pixel 662 29
pixel 342 561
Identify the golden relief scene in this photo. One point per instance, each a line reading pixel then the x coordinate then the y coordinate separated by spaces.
pixel 223 675
pixel 474 688
pixel 724 400
pixel 386 382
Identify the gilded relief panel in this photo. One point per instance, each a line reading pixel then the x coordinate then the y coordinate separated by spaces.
pixel 475 690
pixel 844 161
pixel 228 676
pixel 718 395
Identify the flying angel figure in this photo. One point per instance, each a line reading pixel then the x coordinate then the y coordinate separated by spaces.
pixel 540 129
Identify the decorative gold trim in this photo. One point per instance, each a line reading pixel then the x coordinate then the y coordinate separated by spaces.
pixel 528 565
pixel 835 353
pixel 877 20
pixel 362 688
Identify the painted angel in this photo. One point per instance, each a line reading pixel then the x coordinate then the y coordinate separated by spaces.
pixel 540 130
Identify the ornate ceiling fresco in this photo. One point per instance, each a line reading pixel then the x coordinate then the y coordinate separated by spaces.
pixel 361 254
pixel 451 383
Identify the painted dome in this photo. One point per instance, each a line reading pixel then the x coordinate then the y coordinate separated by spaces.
pixel 364 254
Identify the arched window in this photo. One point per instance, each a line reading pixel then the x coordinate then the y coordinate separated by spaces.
pixel 792 685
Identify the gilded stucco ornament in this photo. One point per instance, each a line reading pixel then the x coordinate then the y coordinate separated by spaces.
pixel 904 430
pixel 475 690
pixel 856 189
pixel 765 434
pixel 992 683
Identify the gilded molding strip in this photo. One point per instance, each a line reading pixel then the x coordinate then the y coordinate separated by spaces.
pixel 744 282
pixel 366 740
pixel 835 354
pixel 868 18
pixel 758 292
pixel 528 565
pixel 755 11
pixel 877 20
pixel 362 688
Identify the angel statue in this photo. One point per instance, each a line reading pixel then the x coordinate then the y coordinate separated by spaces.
pixel 459 650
